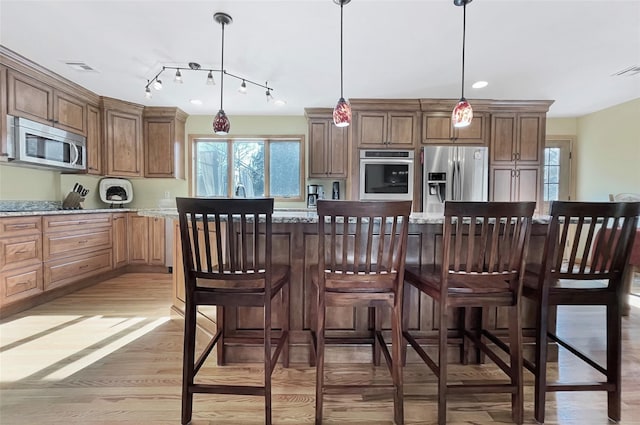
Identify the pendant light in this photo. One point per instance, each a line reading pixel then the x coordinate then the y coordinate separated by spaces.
pixel 221 124
pixel 342 111
pixel 463 113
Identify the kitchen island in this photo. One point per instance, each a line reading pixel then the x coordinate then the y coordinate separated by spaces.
pixel 295 243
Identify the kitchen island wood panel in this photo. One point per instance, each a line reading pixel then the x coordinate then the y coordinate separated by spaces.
pixel 295 243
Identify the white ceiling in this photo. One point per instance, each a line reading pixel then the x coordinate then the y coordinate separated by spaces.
pixel 564 51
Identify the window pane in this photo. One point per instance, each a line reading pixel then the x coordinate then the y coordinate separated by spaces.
pixel 248 169
pixel 554 174
pixel 554 156
pixel 211 168
pixel 553 192
pixel 284 169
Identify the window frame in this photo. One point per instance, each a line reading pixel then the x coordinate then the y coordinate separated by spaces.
pixel 567 164
pixel 267 139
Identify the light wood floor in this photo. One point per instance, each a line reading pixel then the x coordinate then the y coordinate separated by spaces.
pixel 111 354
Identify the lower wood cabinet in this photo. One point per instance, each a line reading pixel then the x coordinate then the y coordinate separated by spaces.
pixel 120 240
pixel 76 247
pixel 20 258
pixel 146 240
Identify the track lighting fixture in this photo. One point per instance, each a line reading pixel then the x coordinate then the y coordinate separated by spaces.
pixel 342 111
pixel 243 87
pixel 221 123
pixel 147 93
pixel 463 113
pixel 210 80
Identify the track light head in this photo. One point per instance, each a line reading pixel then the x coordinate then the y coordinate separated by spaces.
pixel 147 93
pixel 243 87
pixel 210 80
pixel 178 77
pixel 157 84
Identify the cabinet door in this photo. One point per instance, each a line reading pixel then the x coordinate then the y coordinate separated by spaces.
pixel 436 128
pixel 530 138
pixel 29 98
pixel 527 184
pixel 159 147
pixel 474 133
pixel 138 239
pixel 372 129
pixel 124 143
pixel 3 112
pixel 94 141
pixel 318 147
pixel 503 138
pixel 120 236
pixel 338 152
pixel 69 113
pixel 402 131
pixel 156 241
pixel 502 184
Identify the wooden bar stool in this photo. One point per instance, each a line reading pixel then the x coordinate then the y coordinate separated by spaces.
pixel 226 248
pixel 586 249
pixel 361 256
pixel 483 254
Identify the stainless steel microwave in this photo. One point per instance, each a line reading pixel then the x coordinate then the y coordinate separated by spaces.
pixel 386 175
pixel 33 143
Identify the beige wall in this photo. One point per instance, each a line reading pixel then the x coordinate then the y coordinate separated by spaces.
pixel 608 154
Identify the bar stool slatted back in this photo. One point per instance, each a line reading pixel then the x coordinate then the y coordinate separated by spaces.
pixel 483 254
pixel 226 249
pixel 587 248
pixel 362 251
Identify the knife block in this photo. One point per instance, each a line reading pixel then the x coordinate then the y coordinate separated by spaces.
pixel 72 201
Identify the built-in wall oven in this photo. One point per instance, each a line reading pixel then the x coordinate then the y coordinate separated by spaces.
pixel 386 175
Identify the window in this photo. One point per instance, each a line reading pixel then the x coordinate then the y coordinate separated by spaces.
pixel 248 167
pixel 557 184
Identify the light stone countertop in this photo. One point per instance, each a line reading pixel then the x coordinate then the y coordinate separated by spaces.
pixel 291 215
pixel 62 212
pixel 280 215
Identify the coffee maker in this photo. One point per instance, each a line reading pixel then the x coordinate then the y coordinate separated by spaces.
pixel 314 192
pixel 312 195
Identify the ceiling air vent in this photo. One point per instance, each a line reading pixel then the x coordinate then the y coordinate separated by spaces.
pixel 627 72
pixel 80 66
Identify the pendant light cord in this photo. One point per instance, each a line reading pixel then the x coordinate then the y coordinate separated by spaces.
pixel 222 68
pixel 464 31
pixel 341 85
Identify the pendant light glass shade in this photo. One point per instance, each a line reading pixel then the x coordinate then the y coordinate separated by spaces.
pixel 342 113
pixel 221 124
pixel 462 114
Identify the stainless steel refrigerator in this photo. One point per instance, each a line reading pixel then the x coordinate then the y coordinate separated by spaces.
pixel 454 173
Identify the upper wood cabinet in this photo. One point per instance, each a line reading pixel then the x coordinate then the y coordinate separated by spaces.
pixel 517 137
pixel 94 140
pixel 328 145
pixel 385 124
pixel 122 138
pixel 30 98
pixel 437 129
pixel 164 132
pixel 3 112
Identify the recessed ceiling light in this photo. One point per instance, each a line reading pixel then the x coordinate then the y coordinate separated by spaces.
pixel 480 84
pixel 79 66
pixel 196 102
pixel 279 102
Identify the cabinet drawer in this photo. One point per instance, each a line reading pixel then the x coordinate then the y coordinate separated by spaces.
pixel 73 243
pixel 20 251
pixel 20 283
pixel 67 270
pixel 55 223
pixel 17 226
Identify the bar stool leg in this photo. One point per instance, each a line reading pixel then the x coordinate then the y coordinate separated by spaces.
pixel 614 360
pixel 442 364
pixel 320 360
pixel 541 361
pixel 515 348
pixel 188 361
pixel 396 356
